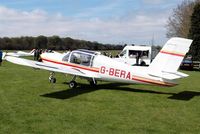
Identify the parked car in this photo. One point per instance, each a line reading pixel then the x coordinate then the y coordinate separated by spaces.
pixel 187 64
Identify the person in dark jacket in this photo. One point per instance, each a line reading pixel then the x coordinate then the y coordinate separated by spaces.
pixel 36 53
pixel 1 57
pixel 137 58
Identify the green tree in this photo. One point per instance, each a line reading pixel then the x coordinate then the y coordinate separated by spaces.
pixel 55 42
pixel 8 43
pixel 41 42
pixel 27 43
pixel 195 33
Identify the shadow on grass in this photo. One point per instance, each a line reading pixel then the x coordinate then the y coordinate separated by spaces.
pixel 185 95
pixel 84 89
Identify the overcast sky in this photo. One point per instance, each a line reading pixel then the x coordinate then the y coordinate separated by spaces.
pixel 105 21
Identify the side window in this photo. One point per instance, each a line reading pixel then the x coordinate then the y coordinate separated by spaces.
pixel 132 53
pixel 85 59
pixel 145 54
pixel 135 53
pixel 81 58
pixel 75 58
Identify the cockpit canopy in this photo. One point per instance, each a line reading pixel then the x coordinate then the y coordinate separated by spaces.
pixel 81 56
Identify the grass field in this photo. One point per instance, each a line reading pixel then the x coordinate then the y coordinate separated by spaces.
pixel 30 104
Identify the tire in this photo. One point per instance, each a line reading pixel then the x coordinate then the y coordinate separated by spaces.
pixel 72 84
pixel 142 63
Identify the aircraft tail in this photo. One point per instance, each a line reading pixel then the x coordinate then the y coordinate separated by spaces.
pixel 168 60
pixel 32 51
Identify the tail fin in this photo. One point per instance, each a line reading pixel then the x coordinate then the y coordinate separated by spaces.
pixel 168 60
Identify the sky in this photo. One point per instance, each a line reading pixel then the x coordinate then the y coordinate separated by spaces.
pixel 104 21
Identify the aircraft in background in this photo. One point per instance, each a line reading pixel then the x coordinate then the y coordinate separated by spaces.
pixel 19 53
pixel 94 66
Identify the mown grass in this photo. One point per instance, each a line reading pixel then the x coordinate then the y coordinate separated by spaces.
pixel 30 104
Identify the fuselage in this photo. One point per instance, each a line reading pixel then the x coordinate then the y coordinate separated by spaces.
pixel 105 68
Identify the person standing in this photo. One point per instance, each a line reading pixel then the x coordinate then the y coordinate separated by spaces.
pixel 35 53
pixel 1 57
pixel 137 58
pixel 38 54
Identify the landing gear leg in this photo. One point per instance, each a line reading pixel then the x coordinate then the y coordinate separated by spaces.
pixel 52 78
pixel 93 82
pixel 72 83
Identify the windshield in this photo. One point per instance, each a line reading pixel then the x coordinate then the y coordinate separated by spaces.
pixel 123 53
pixel 66 57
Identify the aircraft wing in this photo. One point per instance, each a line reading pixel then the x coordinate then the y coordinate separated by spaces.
pixel 12 54
pixel 53 68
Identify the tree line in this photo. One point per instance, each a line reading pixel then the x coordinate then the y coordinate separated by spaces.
pixel 53 42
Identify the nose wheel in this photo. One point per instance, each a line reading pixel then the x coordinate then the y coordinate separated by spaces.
pixel 72 84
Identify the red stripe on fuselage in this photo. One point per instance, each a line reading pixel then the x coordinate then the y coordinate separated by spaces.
pixel 153 82
pixel 171 53
pixel 73 65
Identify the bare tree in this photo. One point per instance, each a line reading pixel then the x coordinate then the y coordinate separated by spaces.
pixel 179 23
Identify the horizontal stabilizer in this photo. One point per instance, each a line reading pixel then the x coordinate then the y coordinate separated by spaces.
pixel 169 75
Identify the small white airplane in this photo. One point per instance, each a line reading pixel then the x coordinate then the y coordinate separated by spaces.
pixel 19 53
pixel 94 66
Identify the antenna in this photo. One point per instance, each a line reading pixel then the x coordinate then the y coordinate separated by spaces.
pixel 152 40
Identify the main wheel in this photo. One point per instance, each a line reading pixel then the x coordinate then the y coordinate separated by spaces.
pixel 72 84
pixel 143 63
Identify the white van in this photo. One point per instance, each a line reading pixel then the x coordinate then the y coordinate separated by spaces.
pixel 136 55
